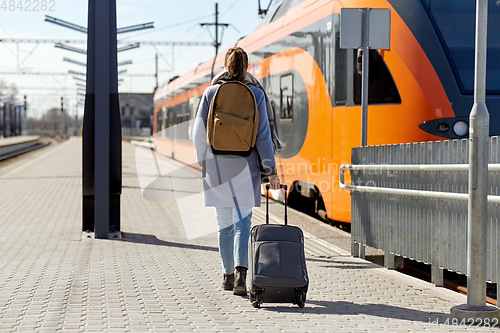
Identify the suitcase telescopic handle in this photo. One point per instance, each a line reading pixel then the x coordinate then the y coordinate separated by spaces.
pixel 283 186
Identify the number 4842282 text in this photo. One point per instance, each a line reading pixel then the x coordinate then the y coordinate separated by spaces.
pixel 28 5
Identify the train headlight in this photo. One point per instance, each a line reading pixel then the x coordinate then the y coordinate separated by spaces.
pixel 460 128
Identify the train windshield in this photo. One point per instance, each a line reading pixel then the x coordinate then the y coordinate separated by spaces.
pixel 455 22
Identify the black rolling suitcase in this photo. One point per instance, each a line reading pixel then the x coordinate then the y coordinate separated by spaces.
pixel 278 271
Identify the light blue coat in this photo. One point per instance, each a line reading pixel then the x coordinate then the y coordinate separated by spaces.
pixel 232 180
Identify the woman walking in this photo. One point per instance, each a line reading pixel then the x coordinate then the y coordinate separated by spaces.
pixel 231 183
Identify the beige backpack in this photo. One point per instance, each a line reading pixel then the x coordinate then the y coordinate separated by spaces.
pixel 233 119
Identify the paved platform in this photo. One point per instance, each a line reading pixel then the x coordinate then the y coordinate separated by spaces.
pixel 164 275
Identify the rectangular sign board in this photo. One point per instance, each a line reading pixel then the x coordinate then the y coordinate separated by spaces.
pixel 351 28
pixel 380 29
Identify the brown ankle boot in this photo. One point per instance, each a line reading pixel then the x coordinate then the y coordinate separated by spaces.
pixel 228 281
pixel 240 286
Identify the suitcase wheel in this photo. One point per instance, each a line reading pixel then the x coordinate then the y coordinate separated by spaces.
pixel 301 299
pixel 255 299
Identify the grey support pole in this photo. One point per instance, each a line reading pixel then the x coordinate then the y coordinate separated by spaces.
pixel 365 28
pixel 365 72
pixel 102 115
pixel 476 307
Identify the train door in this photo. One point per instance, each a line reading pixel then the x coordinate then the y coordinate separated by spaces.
pixel 159 121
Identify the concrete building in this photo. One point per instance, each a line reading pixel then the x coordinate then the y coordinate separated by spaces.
pixel 136 114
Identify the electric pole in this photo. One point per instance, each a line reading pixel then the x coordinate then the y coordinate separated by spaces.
pixel 156 72
pixel 62 115
pixel 216 42
pixel 26 114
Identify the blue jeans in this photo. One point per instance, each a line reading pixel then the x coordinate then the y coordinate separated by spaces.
pixel 234 230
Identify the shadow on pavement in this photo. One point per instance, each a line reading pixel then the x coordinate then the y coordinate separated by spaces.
pixel 352 309
pixel 340 264
pixel 153 240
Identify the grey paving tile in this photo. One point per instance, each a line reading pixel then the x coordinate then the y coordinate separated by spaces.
pixel 145 281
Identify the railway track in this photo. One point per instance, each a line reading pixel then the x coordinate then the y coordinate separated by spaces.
pixel 15 146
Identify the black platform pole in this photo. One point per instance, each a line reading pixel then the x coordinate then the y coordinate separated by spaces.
pixel 14 119
pixel 115 167
pixel 88 126
pixel 4 120
pixel 102 133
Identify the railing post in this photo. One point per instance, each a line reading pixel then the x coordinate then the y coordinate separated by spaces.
pixel 437 276
pixel 476 307
pixel 362 253
pixel 436 272
pixel 389 260
pixel 354 249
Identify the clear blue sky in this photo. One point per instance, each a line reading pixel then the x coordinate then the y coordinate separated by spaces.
pixel 173 21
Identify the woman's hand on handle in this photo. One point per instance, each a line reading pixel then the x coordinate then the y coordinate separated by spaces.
pixel 274 182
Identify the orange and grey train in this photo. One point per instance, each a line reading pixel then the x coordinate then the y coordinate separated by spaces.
pixel 421 89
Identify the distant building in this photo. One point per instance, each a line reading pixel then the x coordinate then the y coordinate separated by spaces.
pixel 54 122
pixel 136 113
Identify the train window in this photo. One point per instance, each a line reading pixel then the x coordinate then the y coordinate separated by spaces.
pixel 340 73
pixel 286 97
pixel 159 120
pixel 194 102
pixel 454 21
pixel 381 86
pixel 170 118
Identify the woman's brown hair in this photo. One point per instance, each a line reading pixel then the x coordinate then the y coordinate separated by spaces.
pixel 236 62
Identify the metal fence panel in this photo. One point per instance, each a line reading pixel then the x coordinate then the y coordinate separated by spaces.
pixel 432 231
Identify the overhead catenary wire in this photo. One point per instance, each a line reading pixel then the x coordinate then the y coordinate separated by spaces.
pixel 166 27
pixel 33 54
pixel 84 41
pixel 185 49
pixel 230 7
pixel 63 73
pixel 164 59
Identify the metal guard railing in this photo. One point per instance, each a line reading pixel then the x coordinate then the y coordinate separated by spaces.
pixel 416 193
pixel 410 200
